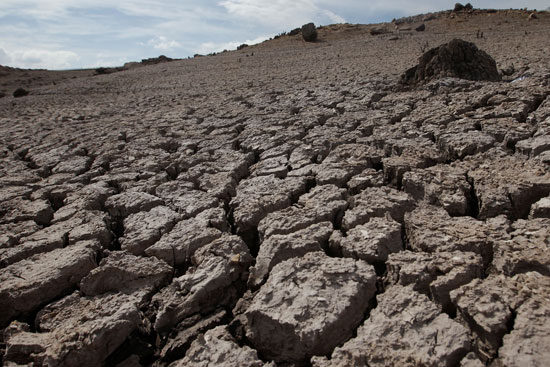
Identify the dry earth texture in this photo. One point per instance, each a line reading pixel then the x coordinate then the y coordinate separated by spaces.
pixel 287 204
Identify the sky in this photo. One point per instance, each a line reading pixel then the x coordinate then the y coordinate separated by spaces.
pixel 74 34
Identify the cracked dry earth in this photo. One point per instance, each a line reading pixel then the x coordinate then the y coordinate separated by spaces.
pixel 284 205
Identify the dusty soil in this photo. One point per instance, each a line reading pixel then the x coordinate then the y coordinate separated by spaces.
pixel 288 204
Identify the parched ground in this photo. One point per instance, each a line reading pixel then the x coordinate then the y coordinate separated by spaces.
pixel 283 205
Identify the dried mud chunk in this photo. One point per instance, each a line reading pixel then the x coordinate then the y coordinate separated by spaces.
pixel 19 210
pixel 9 192
pixel 507 131
pixel 218 348
pixel 90 197
pixel 305 155
pixel 48 157
pixel 407 154
pixel 506 184
pixel 220 268
pixel 84 226
pixel 372 242
pixel 278 248
pixel 177 246
pixel 30 283
pixel 458 59
pixel 122 205
pixel 193 202
pixel 308 306
pixel 143 229
pixel 76 165
pixel 276 166
pixel 541 209
pixel 431 229
pixel 323 203
pixel 221 185
pixel 433 274
pixel 526 250
pixel 405 329
pixel 471 360
pixel 488 306
pixel 368 178
pixel 459 145
pixel 12 233
pixel 126 273
pixel 187 331
pixel 529 343
pixel 441 185
pixel 258 196
pixel 534 146
pixel 376 202
pixel 75 331
pixel 345 161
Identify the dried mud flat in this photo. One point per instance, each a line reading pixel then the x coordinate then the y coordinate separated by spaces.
pixel 285 205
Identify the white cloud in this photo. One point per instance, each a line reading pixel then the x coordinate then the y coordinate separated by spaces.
pixel 42 59
pixel 283 14
pixel 162 43
pixel 209 47
pixel 334 18
pixel 5 59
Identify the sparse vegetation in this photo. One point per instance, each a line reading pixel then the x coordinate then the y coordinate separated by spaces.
pixel 102 71
pixel 20 92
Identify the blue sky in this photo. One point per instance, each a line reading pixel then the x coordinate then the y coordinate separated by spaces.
pixel 63 34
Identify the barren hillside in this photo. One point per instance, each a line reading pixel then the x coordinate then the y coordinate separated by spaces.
pixel 288 204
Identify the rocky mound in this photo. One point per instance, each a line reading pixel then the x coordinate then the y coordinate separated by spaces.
pixel 458 58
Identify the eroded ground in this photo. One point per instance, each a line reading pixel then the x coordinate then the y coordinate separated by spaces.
pixel 284 205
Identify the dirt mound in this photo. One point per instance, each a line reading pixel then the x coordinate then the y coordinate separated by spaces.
pixel 458 58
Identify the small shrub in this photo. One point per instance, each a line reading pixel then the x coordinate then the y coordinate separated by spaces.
pixel 101 71
pixel 295 31
pixel 20 92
